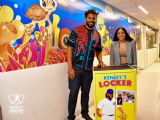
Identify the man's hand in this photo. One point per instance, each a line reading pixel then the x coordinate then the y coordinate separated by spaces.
pixel 98 112
pixel 99 115
pixel 71 73
pixel 101 65
pixel 122 116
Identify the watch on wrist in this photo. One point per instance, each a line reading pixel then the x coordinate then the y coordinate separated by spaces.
pixel 100 62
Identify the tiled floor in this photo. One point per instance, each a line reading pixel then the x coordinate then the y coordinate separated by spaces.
pixel 91 112
pixel 148 94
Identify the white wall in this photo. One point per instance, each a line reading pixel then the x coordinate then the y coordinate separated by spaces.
pixel 140 61
pixel 151 56
pixel 45 90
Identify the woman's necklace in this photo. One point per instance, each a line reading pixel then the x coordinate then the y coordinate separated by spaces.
pixel 122 45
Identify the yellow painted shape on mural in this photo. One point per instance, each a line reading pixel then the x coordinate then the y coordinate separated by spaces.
pixel 103 53
pixel 101 25
pixel 19 26
pixel 8 32
pixel 36 34
pixel 107 43
pixel 49 45
pixel 56 20
pixel 41 24
pixel 2 63
pixel 7 14
pixel 26 39
pixel 56 36
pixel 1 14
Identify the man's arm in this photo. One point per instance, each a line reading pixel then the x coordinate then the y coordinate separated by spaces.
pixel 98 112
pixel 71 44
pixel 99 57
pixel 99 53
pixel 71 72
pixel 121 110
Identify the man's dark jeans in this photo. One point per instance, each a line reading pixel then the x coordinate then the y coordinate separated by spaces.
pixel 83 79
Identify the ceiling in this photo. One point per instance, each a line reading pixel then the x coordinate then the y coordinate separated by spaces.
pixel 131 7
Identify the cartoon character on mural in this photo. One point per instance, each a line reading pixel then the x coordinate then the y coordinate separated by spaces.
pixel 40 14
pixel 10 31
pixel 55 55
pixel 105 40
pixel 11 58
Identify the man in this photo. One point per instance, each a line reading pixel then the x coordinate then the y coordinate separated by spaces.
pixel 131 99
pixel 128 97
pixel 83 42
pixel 119 99
pixel 107 106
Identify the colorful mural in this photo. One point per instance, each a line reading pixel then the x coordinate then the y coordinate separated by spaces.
pixel 34 33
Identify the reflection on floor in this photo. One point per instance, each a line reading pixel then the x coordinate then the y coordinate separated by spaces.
pixel 148 94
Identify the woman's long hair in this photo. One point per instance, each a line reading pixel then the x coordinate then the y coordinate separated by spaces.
pixel 127 38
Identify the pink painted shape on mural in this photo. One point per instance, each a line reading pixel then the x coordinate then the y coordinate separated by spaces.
pixel 17 46
pixel 24 54
pixel 22 38
pixel 52 62
pixel 41 28
pixel 1 70
pixel 102 39
pixel 2 63
pixel 60 59
pixel 14 64
pixel 15 55
pixel 42 55
pixel 25 64
pixel 9 68
pixel 107 51
pixel 34 50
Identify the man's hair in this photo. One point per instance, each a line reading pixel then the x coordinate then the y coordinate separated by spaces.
pixel 92 11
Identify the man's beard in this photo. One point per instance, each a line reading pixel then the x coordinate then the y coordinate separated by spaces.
pixel 107 96
pixel 87 23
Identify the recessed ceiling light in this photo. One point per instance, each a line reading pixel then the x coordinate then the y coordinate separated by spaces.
pixel 143 9
pixel 159 23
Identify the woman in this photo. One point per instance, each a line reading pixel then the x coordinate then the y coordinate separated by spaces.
pixel 124 97
pixel 119 96
pixel 123 49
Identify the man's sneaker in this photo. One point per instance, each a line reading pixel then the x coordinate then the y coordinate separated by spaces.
pixel 87 117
